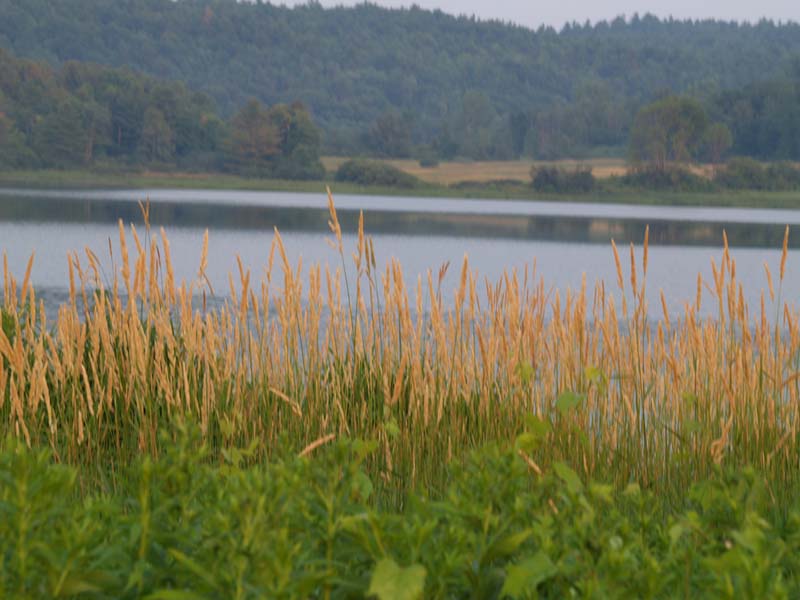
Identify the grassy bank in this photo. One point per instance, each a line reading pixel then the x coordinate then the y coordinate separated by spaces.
pixel 335 430
pixel 352 349
pixel 484 189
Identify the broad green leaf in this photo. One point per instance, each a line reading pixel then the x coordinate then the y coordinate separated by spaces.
pixel 691 426
pixel 567 401
pixel 538 426
pixel 569 477
pixel 392 428
pixel 393 582
pixel 362 487
pixel 525 372
pixel 593 374
pixel 526 441
pixel 506 546
pixel 602 491
pixel 363 448
pixel 676 532
pixel 523 577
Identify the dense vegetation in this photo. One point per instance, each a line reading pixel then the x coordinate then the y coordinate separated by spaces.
pixel 558 180
pixel 397 82
pixel 368 172
pixel 88 115
pixel 690 423
pixel 182 527
pixel 310 352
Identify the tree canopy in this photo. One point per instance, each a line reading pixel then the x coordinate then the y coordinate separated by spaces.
pixel 82 114
pixel 456 85
pixel 669 130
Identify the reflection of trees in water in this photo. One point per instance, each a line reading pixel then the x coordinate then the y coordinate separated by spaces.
pixel 558 228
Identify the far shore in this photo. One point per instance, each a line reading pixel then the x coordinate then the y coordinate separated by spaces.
pixel 503 189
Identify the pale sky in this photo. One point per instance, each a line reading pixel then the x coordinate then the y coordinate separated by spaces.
pixel 556 13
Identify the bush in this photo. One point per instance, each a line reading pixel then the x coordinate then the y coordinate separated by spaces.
pixel 675 179
pixel 428 158
pixel 369 172
pixel 743 174
pixel 302 164
pixel 784 176
pixel 428 162
pixel 749 174
pixel 557 180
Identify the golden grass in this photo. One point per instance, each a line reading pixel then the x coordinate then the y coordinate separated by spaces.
pixel 450 172
pixel 312 352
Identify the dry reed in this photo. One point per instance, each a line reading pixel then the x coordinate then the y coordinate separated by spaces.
pixel 308 355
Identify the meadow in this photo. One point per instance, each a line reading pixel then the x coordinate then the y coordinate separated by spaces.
pixel 453 172
pixel 515 398
pixel 485 180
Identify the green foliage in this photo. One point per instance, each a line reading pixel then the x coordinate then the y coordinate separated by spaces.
pixel 676 179
pixel 749 174
pixel 427 157
pixel 184 527
pixel 84 114
pixel 389 136
pixel 763 117
pixel 558 180
pixel 368 172
pixel 667 131
pixel 717 140
pixel 391 582
pixel 543 93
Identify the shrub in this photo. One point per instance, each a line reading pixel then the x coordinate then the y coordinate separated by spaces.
pixel 428 158
pixel 428 162
pixel 302 164
pixel 743 174
pixel 557 180
pixel 677 179
pixel 784 176
pixel 369 172
pixel 749 174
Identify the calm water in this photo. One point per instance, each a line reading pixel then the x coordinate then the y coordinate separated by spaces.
pixel 565 240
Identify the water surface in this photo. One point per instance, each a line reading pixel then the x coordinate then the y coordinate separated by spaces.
pixel 563 240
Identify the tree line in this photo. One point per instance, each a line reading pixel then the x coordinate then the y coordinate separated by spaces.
pixel 421 83
pixel 83 114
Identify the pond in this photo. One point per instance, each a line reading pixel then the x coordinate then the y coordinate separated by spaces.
pixel 563 240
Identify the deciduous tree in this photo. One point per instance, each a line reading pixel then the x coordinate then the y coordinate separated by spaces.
pixel 668 130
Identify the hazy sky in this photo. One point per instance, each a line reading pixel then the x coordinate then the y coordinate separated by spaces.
pixel 537 12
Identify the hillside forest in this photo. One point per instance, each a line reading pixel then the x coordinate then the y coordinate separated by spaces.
pixel 259 89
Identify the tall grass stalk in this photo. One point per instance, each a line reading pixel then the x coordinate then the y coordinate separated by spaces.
pixel 295 359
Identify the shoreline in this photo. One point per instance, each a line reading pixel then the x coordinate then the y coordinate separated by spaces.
pixel 84 179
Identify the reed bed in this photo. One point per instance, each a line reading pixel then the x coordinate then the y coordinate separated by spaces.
pixel 352 349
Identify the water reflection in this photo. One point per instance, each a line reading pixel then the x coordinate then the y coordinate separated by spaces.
pixel 562 246
pixel 242 211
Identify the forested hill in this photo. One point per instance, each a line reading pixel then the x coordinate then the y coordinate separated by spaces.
pixel 85 115
pixel 371 75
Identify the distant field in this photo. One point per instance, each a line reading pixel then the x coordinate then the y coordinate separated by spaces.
pixel 447 173
pixel 435 184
